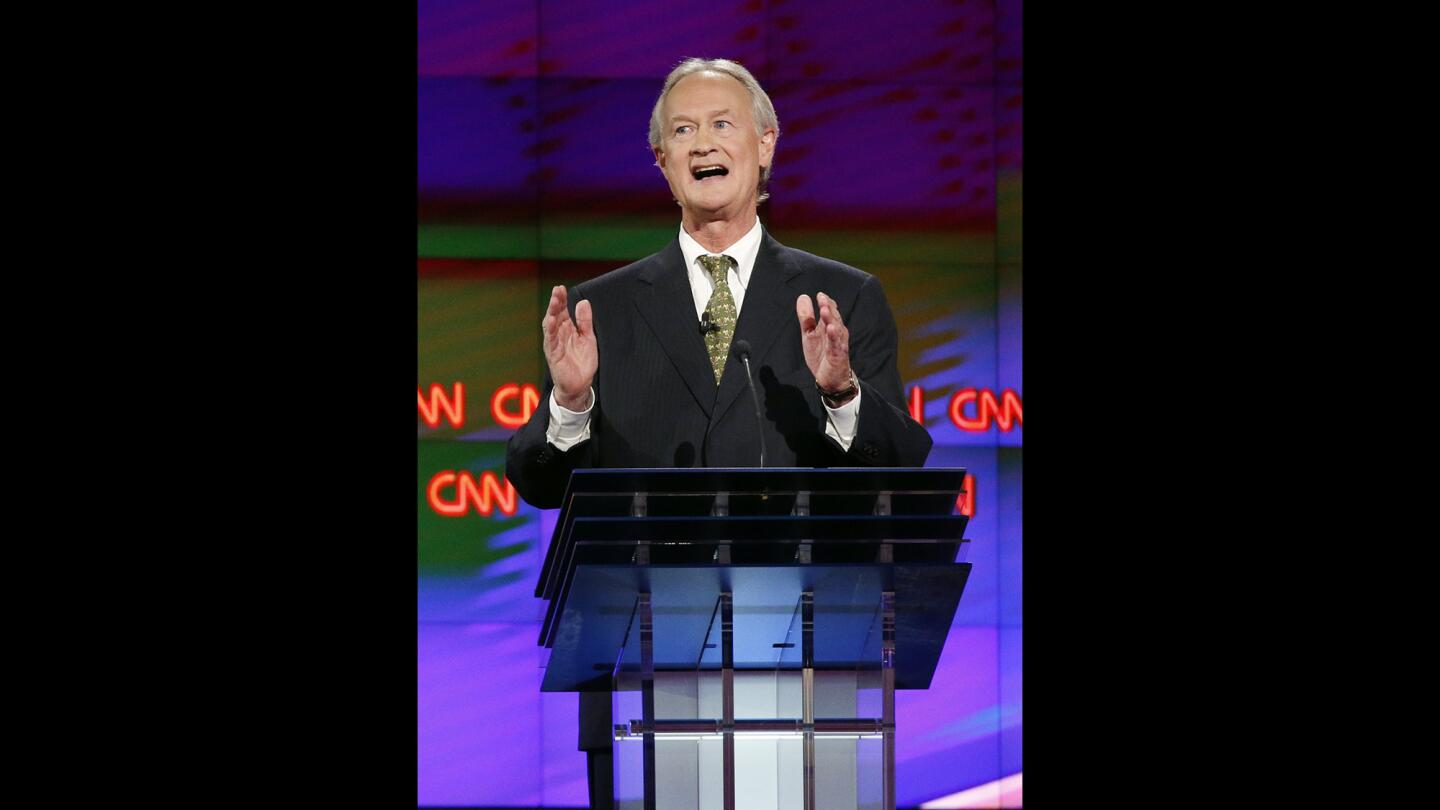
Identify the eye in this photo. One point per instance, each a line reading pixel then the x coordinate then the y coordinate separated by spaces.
pixel 683 129
pixel 723 125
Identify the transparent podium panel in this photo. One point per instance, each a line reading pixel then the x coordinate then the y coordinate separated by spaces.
pixel 753 625
pixel 711 516
pixel 751 722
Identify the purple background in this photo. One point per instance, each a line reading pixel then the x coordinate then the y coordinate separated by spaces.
pixel 900 153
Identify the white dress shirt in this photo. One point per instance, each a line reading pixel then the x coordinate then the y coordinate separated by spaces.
pixel 568 428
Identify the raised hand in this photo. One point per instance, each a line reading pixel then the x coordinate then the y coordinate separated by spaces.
pixel 826 342
pixel 570 350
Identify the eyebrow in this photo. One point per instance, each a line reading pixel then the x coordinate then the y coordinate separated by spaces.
pixel 725 111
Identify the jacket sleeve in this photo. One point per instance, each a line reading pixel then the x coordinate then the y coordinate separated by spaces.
pixel 539 471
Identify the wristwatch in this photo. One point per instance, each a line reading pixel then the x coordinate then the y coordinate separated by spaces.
pixel 835 399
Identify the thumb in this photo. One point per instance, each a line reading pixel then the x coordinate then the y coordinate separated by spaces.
pixel 584 319
pixel 805 313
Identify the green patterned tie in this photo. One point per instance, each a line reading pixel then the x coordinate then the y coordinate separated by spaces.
pixel 722 312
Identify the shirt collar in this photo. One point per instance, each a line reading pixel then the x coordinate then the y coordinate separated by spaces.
pixel 744 251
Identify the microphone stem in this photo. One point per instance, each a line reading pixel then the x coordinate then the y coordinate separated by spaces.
pixel 754 397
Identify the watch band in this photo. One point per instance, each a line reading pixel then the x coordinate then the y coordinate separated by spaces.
pixel 836 399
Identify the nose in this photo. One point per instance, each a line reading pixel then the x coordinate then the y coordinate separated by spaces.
pixel 702 145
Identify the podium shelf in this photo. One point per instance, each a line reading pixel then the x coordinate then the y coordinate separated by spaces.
pixel 590 646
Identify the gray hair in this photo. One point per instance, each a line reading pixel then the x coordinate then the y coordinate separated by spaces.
pixel 761 109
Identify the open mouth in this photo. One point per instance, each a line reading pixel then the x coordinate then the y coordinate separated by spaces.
pixel 702 173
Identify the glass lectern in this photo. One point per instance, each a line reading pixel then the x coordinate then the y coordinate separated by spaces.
pixel 753 625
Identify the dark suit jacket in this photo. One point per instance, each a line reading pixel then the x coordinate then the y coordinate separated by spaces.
pixel 656 403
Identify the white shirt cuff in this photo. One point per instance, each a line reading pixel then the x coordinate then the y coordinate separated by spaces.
pixel 843 421
pixel 568 428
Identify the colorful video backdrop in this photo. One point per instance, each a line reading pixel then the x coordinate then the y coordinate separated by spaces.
pixel 900 154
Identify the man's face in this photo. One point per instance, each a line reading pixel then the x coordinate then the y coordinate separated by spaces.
pixel 709 150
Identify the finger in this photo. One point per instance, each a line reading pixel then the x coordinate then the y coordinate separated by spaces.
pixel 837 341
pixel 547 323
pixel 584 319
pixel 827 310
pixel 550 324
pixel 805 313
pixel 834 307
pixel 564 332
pixel 548 330
pixel 555 316
pixel 558 301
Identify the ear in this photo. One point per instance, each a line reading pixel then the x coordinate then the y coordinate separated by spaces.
pixel 767 147
pixel 659 157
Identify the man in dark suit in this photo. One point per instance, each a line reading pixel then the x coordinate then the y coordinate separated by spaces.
pixel 641 372
pixel 669 392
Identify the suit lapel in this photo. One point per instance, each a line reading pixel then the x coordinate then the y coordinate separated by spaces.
pixel 768 311
pixel 665 302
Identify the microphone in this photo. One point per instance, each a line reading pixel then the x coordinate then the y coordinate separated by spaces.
pixel 706 327
pixel 741 350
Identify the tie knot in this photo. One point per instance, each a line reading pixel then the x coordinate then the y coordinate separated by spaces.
pixel 716 266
